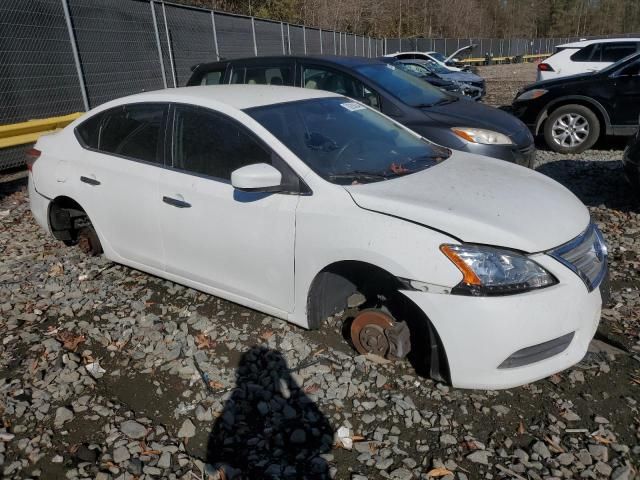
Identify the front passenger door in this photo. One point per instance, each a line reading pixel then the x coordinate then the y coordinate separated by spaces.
pixel 627 98
pixel 240 245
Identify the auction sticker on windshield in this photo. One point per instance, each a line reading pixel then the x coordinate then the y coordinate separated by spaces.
pixel 352 106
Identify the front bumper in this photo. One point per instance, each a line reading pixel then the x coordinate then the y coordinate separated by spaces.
pixel 631 166
pixel 523 155
pixel 480 333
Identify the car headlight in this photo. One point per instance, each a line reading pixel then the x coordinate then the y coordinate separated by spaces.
pixel 531 94
pixel 482 136
pixel 495 271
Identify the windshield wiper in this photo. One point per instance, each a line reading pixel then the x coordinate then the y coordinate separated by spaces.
pixel 359 175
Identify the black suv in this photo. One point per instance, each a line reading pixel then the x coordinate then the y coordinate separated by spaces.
pixel 438 116
pixel 574 111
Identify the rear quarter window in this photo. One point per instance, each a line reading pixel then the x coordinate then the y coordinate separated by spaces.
pixel 88 132
pixel 585 54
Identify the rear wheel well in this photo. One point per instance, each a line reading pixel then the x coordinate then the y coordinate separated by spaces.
pixel 67 218
pixel 335 284
pixel 575 101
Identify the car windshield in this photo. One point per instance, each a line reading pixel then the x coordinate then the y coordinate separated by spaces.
pixel 404 86
pixel 436 67
pixel 438 56
pixel 616 65
pixel 347 143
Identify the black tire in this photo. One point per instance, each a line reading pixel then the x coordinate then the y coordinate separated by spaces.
pixel 587 118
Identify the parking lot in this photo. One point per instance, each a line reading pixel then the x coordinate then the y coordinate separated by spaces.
pixel 108 372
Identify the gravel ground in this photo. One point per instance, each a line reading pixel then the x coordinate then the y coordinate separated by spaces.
pixel 109 373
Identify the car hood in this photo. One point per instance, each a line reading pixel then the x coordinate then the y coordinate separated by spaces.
pixel 472 114
pixel 481 200
pixel 467 77
pixel 566 80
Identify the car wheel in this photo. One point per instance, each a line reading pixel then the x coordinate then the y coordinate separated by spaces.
pixel 571 129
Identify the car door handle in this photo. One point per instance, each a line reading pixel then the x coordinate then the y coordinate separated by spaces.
pixel 89 180
pixel 176 203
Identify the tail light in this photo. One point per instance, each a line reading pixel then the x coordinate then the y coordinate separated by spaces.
pixel 31 156
pixel 545 67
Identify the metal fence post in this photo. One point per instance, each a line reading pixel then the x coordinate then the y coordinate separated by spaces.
pixel 284 51
pixel 253 33
pixel 157 34
pixel 320 29
pixel 289 38
pixel 335 47
pixel 76 57
pixel 215 35
pixel 166 31
pixel 304 39
pixel 355 44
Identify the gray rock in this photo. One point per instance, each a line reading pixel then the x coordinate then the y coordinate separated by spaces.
pixel 133 429
pixel 63 415
pixel 187 430
pixel 541 449
pixel 121 454
pixel 479 456
pixel 599 452
pixel 165 460
pixel 621 473
pixel 448 439
pixel 401 473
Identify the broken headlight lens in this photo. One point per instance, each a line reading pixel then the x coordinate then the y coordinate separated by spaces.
pixel 495 271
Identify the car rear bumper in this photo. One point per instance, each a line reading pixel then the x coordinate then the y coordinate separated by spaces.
pixel 506 341
pixel 39 205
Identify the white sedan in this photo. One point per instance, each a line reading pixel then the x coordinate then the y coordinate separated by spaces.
pixel 289 200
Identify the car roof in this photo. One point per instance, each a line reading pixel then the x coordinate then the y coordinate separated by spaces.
pixel 584 43
pixel 235 96
pixel 404 53
pixel 347 61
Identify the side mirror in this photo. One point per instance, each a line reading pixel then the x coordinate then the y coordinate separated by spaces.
pixel 259 177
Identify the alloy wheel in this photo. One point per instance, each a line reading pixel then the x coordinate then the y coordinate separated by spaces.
pixel 570 130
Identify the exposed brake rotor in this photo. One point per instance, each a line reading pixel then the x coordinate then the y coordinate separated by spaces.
pixel 377 332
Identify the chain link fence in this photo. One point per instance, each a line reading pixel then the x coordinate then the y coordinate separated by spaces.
pixel 64 56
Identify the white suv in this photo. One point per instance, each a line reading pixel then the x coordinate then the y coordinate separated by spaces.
pixel 586 56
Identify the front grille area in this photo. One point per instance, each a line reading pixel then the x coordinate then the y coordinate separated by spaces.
pixel 585 255
pixel 539 352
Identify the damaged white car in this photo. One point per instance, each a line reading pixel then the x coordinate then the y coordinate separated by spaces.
pixel 289 200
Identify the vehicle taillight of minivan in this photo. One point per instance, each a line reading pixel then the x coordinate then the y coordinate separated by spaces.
pixel 31 156
pixel 545 67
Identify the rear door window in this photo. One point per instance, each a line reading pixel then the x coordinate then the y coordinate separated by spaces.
pixel 322 78
pixel 134 131
pixel 612 52
pixel 263 75
pixel 213 77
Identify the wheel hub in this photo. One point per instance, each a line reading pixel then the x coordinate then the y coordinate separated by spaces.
pixel 376 332
pixel 570 130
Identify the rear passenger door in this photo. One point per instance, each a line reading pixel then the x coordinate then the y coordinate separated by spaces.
pixel 239 244
pixel 118 180
pixel 627 99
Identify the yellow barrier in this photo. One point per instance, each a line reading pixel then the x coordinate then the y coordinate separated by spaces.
pixel 503 59
pixel 28 132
